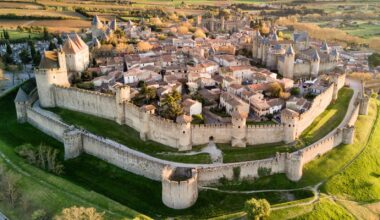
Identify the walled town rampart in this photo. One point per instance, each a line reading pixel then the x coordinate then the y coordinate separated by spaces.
pixel 118 108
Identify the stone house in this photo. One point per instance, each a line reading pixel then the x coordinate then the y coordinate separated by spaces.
pixel 192 107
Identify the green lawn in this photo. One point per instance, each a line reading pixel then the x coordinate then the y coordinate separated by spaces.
pixel 320 168
pixel 127 136
pixel 361 180
pixel 325 208
pixel 328 120
pixel 252 152
pixel 43 189
pixel 18 35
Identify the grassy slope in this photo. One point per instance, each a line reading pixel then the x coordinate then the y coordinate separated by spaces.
pixel 361 180
pixel 125 135
pixel 322 167
pixel 329 119
pixel 325 208
pixel 44 190
pixel 16 35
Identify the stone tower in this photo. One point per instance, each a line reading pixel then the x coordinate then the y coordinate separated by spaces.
pixel 222 23
pixel 123 94
pixel 51 71
pixel 145 113
pixel 293 165
pixel 289 119
pixel 239 129
pixel 289 62
pixel 314 63
pixel 255 44
pixel 184 142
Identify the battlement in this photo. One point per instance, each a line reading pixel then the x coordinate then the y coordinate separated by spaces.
pixel 211 126
pixel 268 126
pixel 84 91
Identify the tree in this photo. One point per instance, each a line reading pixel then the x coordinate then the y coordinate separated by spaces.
pixel 275 89
pixel 59 40
pixel 52 46
pixel 182 30
pixel 9 187
pixel 143 46
pixel 171 106
pixel 79 213
pixel 39 214
pixel 25 56
pixel 257 209
pixel 9 49
pixel 199 33
pixel 295 91
pixel 46 34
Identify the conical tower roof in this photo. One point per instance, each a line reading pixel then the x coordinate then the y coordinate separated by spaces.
pixel 290 51
pixel 315 55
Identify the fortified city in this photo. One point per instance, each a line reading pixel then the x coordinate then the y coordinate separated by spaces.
pixel 209 111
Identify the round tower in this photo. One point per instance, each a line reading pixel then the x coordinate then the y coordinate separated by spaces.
pixel 179 187
pixel 289 119
pixel 239 129
pixel 293 166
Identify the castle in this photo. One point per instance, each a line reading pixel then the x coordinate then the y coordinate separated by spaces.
pixel 76 53
pixel 294 58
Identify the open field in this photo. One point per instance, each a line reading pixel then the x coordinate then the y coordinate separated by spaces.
pixel 16 35
pixel 41 13
pixel 20 5
pixel 66 25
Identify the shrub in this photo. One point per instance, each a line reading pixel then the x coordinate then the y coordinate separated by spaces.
pixel 257 209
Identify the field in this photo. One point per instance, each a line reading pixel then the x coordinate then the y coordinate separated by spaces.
pixel 66 25
pixel 41 13
pixel 17 35
pixel 20 5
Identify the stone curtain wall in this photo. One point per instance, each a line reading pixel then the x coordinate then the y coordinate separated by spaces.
pixel 170 133
pixel 262 134
pixel 94 103
pixel 43 122
pixel 77 141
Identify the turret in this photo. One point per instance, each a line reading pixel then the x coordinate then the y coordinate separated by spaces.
pixel 289 62
pixel 293 166
pixel 96 23
pixel 334 55
pixel 123 94
pixel 289 119
pixel 184 142
pixel 315 62
pixel 145 112
pixel 51 71
pixel 325 47
pixel 113 25
pixel 239 129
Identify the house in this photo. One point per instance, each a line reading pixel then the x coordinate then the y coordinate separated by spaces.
pixel 192 107
pixel 241 72
pixel 226 60
pixel 262 107
pixel 134 75
pixel 298 104
pixel 233 103
pixel 236 89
